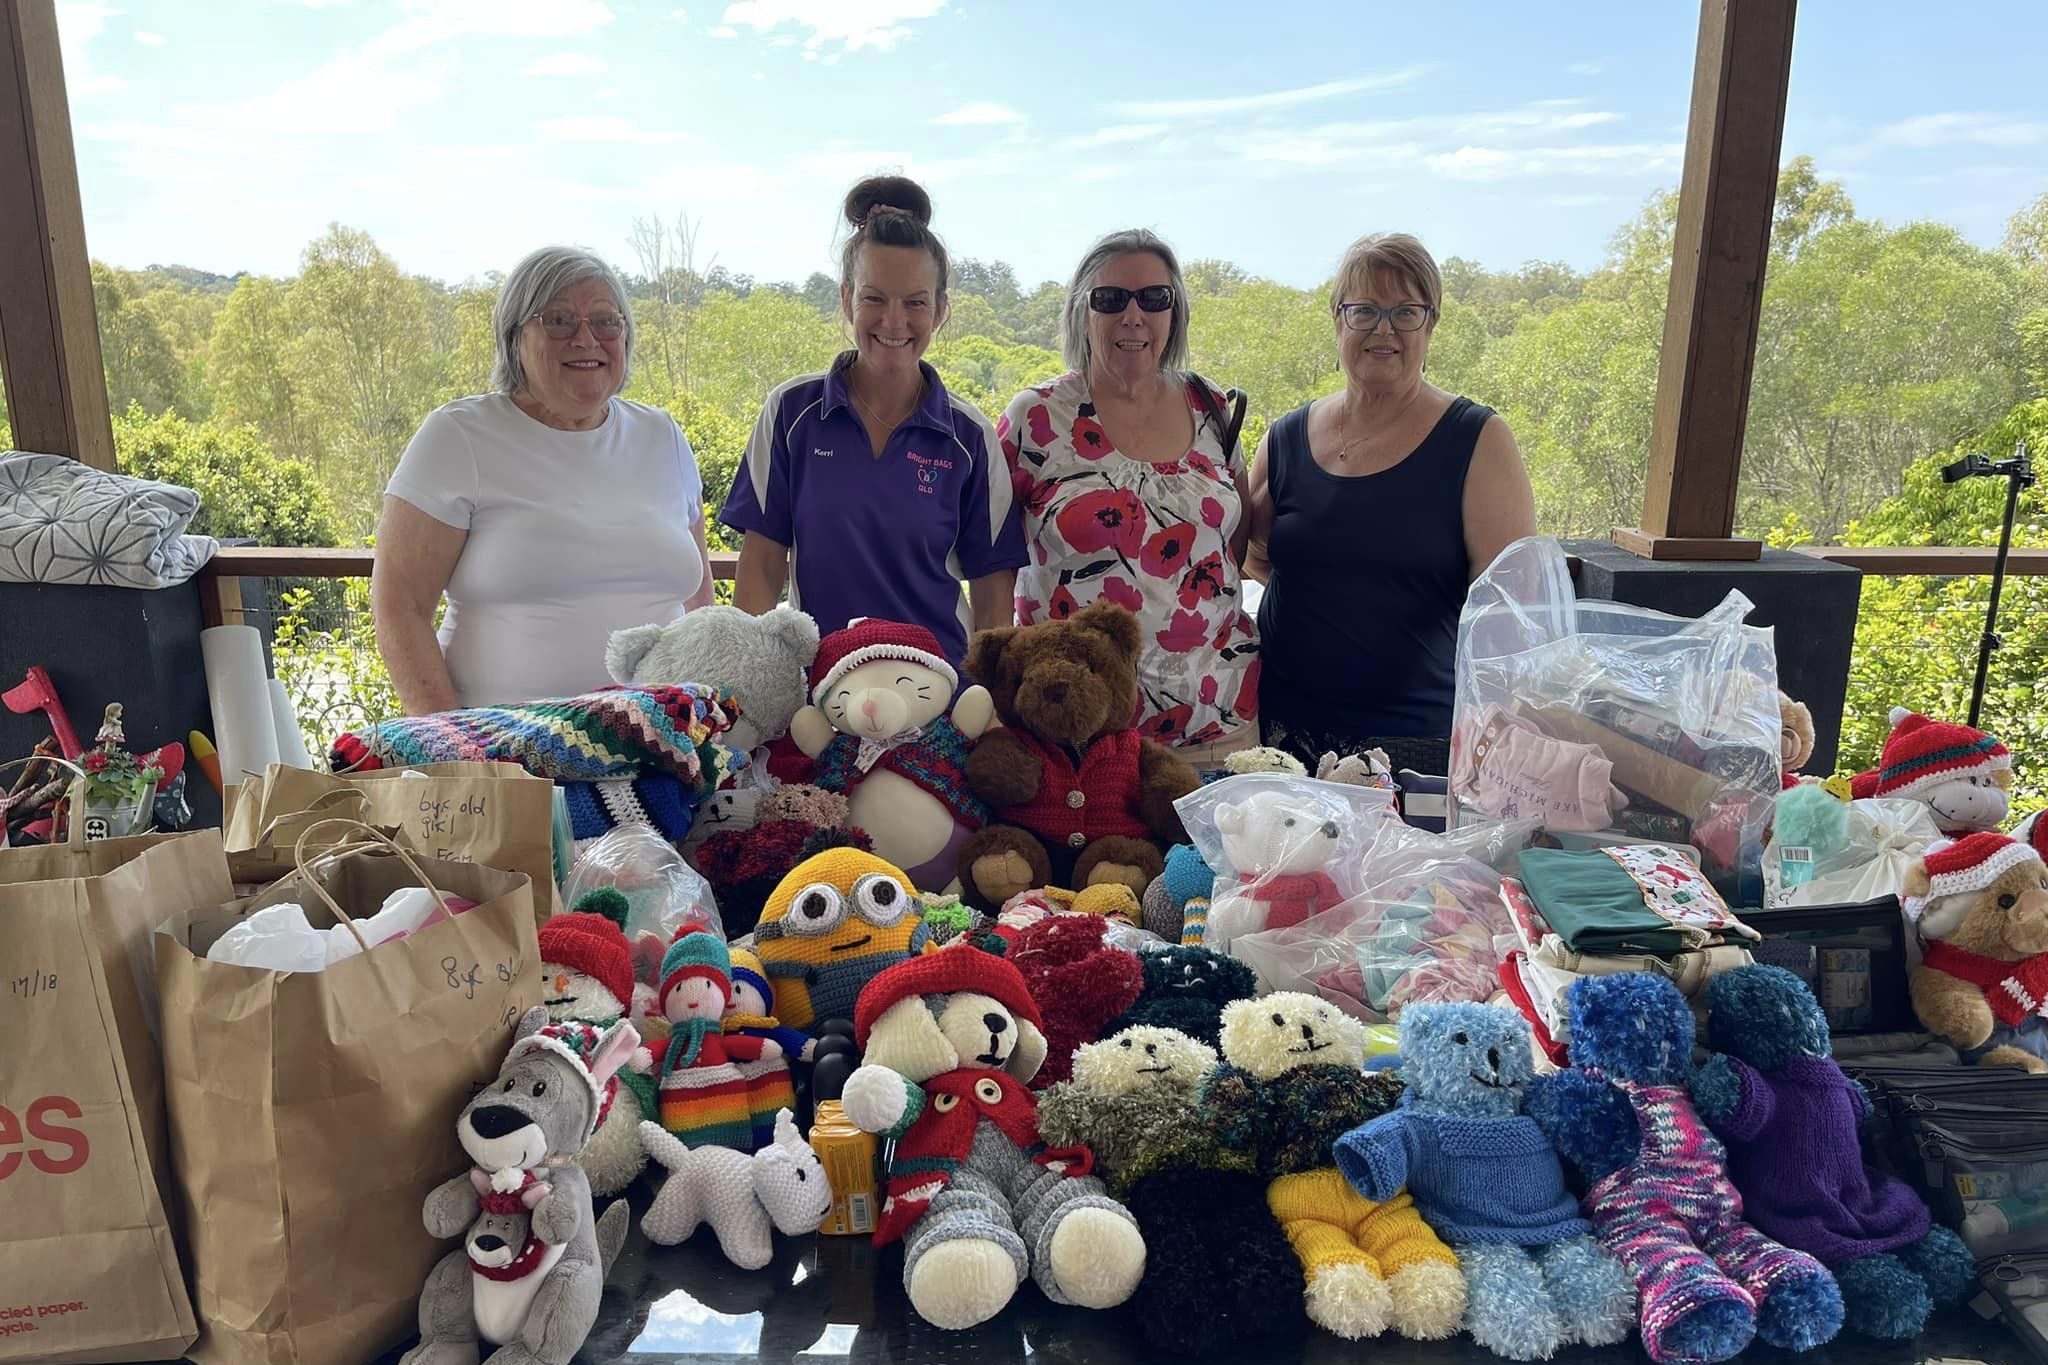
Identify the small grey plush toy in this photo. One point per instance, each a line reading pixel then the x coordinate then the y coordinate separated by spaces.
pixel 531 1268
pixel 762 660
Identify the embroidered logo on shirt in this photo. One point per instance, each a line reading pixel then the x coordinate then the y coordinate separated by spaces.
pixel 821 453
pixel 928 471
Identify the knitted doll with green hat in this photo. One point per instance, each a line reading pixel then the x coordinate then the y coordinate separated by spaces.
pixel 769 1087
pixel 703 1091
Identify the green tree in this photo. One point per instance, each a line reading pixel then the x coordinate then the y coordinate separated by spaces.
pixel 744 347
pixel 251 366
pixel 142 365
pixel 244 490
pixel 1038 316
pixel 720 441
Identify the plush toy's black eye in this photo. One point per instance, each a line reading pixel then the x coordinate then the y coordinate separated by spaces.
pixel 1127 1042
pixel 510 1084
pixel 2007 902
pixel 539 1088
pixel 800 1174
pixel 1279 1021
pixel 1459 1039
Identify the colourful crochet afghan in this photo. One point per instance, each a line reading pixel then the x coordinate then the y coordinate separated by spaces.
pixel 610 733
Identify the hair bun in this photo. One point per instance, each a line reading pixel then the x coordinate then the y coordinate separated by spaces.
pixel 888 194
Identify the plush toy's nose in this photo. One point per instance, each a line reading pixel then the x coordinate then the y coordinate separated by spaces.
pixel 996 1023
pixel 1308 1031
pixel 1151 1049
pixel 1493 1058
pixel 1329 829
pixel 1056 693
pixel 496 1120
pixel 490 1241
pixel 867 708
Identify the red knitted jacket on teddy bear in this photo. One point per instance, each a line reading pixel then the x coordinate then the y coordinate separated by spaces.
pixel 1106 785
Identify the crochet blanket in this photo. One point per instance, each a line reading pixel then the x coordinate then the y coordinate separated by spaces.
pixel 610 733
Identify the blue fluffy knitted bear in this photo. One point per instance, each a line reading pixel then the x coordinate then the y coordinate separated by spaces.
pixel 1487 1179
pixel 1791 1120
pixel 1658 1190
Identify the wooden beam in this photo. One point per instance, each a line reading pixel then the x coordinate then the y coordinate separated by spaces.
pixel 1930 561
pixel 49 336
pixel 1722 549
pixel 319 561
pixel 1725 201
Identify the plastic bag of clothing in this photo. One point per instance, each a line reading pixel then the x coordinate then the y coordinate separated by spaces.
pixel 1599 717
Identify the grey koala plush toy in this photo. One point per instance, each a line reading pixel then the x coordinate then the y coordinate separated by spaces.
pixel 531 1269
pixel 763 661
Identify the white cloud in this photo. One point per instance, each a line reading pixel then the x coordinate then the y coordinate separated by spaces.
pixel 1115 135
pixel 1947 130
pixel 77 25
pixel 978 114
pixel 602 128
pixel 148 39
pixel 1271 99
pixel 722 31
pixel 681 16
pixel 567 64
pixel 852 24
pixel 1504 163
pixel 1483 145
pixel 1583 69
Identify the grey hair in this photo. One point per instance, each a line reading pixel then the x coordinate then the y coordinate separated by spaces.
pixel 542 275
pixel 1074 322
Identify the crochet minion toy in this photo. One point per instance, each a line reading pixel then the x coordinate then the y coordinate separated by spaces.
pixel 834 923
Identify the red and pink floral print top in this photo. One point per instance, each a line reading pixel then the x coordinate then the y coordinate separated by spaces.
pixel 1153 537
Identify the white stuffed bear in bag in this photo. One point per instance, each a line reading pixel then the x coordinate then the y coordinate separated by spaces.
pixel 879 730
pixel 1279 846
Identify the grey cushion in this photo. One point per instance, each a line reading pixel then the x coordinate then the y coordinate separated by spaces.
pixel 65 522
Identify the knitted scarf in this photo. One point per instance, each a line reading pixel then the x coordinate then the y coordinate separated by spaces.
pixel 1293 897
pixel 2014 990
pixel 934 760
pixel 685 1041
pixel 509 1205
pixel 941 1137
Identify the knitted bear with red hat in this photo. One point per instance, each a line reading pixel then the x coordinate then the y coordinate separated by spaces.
pixel 883 728
pixel 1957 771
pixel 1982 908
pixel 951 1040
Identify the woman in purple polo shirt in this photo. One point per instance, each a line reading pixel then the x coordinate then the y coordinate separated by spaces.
pixel 867 489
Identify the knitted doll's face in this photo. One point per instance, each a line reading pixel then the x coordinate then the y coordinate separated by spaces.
pixel 746 999
pixel 1141 1057
pixel 694 997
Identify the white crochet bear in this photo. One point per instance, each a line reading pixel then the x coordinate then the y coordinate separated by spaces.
pixel 1278 846
pixel 761 660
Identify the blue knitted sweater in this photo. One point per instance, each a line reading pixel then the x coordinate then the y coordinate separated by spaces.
pixel 1474 1179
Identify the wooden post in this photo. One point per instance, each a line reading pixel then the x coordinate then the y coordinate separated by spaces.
pixel 49 336
pixel 1725 202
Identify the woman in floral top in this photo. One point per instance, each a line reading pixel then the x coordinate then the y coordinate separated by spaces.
pixel 1130 497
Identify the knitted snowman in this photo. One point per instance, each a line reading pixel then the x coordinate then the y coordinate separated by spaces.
pixel 884 729
pixel 587 978
pixel 703 1092
pixel 1959 773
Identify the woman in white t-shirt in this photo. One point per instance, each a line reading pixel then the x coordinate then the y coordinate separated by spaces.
pixel 551 512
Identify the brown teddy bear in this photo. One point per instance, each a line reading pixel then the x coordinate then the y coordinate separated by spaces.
pixel 1982 903
pixel 1079 797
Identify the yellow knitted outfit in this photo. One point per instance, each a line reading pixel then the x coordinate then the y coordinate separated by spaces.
pixel 1329 1223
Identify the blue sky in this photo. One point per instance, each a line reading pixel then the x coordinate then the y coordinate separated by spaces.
pixel 460 133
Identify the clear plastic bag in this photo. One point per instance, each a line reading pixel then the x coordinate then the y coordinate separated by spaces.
pixel 1284 848
pixel 1594 716
pixel 1884 836
pixel 664 895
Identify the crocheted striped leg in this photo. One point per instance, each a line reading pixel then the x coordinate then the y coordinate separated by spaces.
pixel 1346 1293
pixel 1692 1314
pixel 1423 1279
pixel 1798 1304
pixel 963 1259
pixel 1085 1247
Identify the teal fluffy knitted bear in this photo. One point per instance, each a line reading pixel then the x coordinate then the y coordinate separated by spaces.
pixel 1487 1180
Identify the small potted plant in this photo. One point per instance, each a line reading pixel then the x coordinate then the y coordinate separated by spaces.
pixel 114 796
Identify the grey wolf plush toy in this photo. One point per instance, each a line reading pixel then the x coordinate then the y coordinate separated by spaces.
pixel 535 1303
pixel 1292 1084
pixel 1791 1120
pixel 1218 1269
pixel 740 1195
pixel 952 1039
pixel 1659 1195
pixel 1490 1183
pixel 760 660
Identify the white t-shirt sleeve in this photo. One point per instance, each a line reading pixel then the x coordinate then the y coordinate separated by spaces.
pixel 693 478
pixel 438 473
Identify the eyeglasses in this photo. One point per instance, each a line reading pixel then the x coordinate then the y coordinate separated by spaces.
pixel 561 324
pixel 1365 317
pixel 1153 298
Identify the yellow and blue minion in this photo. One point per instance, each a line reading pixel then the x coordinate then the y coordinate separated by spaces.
pixel 834 923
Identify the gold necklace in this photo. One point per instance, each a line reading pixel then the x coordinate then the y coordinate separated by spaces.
pixel 874 417
pixel 1344 451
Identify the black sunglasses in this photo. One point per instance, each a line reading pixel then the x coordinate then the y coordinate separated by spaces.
pixel 1153 298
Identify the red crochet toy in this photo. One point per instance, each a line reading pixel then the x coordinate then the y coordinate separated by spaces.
pixel 1078 982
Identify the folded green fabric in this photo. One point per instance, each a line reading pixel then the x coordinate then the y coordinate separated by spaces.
pixel 1598 905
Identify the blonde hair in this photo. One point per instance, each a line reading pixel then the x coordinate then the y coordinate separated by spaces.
pixel 1398 252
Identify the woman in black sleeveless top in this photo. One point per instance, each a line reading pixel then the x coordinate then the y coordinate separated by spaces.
pixel 1371 512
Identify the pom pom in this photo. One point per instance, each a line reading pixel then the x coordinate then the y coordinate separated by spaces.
pixel 608 901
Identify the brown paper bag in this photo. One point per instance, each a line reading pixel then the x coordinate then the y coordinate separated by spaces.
pixel 88 1268
pixel 311 1113
pixel 497 814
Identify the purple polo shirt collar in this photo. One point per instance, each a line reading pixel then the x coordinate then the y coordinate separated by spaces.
pixel 934 410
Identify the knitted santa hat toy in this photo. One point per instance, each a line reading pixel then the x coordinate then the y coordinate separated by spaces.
pixel 578 1042
pixel 1957 871
pixel 1920 754
pixel 865 640
pixel 946 972
pixel 594 945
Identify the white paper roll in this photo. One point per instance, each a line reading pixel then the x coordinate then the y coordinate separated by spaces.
pixel 291 740
pixel 238 685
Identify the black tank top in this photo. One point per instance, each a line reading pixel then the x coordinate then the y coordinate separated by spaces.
pixel 1359 624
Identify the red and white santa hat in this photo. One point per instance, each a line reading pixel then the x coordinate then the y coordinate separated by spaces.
pixel 2033 831
pixel 1958 870
pixel 1921 754
pixel 866 639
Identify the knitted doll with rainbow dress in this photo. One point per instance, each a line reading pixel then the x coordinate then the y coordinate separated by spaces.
pixel 769 1087
pixel 702 1092
pixel 1489 1182
pixel 1659 1195
pixel 1791 1118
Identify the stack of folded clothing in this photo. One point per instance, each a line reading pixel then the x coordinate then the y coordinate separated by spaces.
pixel 1597 912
